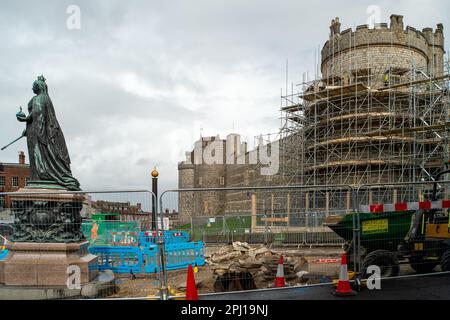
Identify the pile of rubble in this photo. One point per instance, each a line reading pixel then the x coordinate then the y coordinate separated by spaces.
pixel 258 261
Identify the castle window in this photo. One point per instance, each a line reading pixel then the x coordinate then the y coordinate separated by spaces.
pixel 2 181
pixel 15 181
pixel 222 181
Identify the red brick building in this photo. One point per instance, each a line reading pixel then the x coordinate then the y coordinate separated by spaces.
pixel 13 176
pixel 127 211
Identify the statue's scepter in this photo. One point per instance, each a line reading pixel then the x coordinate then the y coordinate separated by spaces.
pixel 12 142
pixel 22 115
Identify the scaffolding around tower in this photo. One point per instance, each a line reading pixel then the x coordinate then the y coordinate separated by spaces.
pixel 377 114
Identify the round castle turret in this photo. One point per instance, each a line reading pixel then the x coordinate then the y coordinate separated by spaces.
pixel 371 53
pixel 379 86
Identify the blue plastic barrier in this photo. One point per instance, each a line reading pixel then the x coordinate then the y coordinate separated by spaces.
pixel 180 255
pixel 149 238
pixel 146 259
pixel 118 259
pixel 150 259
pixel 3 254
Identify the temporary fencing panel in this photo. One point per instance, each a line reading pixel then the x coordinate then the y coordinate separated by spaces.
pixel 180 255
pixel 118 259
pixel 123 238
pixel 122 259
pixel 148 238
pixel 150 259
pixel 3 254
pixel 98 231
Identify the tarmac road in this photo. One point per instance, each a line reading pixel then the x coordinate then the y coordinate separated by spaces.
pixel 424 287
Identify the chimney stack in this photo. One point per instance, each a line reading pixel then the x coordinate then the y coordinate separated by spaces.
pixel 396 22
pixel 335 27
pixel 21 157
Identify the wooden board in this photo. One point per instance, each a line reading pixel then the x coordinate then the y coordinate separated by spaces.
pixel 275 219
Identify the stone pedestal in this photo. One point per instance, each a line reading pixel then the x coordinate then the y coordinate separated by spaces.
pixel 47 216
pixel 48 255
pixel 47 264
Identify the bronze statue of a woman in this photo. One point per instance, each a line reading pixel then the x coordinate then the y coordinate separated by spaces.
pixel 47 150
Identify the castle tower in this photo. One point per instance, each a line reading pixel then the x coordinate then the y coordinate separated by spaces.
pixel 186 178
pixel 377 114
pixel 361 120
pixel 204 167
pixel 365 55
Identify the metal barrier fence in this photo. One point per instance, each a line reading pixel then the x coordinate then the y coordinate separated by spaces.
pixel 49 248
pixel 275 236
pixel 261 214
pixel 407 233
pixel 247 229
pixel 383 238
pixel 279 238
pixel 102 232
pixel 397 227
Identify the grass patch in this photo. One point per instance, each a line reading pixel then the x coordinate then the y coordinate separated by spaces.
pixel 205 226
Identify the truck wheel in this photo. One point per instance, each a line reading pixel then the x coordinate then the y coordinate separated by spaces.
pixel 386 260
pixel 445 261
pixel 421 266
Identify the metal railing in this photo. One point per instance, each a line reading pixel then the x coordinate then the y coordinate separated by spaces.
pixel 288 224
pixel 51 222
pixel 275 188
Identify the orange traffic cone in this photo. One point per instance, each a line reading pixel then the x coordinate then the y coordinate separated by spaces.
pixel 191 288
pixel 279 279
pixel 343 289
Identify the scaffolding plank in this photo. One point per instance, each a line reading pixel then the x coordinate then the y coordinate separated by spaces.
pixel 334 92
pixel 407 130
pixel 406 84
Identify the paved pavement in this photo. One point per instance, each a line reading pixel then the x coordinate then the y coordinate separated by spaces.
pixel 427 287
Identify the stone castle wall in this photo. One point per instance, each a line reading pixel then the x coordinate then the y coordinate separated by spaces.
pixel 345 54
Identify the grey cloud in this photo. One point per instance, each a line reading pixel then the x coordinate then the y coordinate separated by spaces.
pixel 134 86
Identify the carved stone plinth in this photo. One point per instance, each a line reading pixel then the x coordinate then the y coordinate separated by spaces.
pixel 47 218
pixel 47 245
pixel 46 264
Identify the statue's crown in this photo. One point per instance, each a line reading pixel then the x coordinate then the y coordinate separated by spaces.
pixel 41 78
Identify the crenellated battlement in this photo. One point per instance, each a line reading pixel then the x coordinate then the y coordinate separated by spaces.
pixel 382 34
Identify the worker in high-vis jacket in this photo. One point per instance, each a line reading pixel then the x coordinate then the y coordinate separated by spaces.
pixel 94 231
pixel 386 79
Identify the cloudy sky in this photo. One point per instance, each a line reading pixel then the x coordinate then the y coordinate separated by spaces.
pixel 137 82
